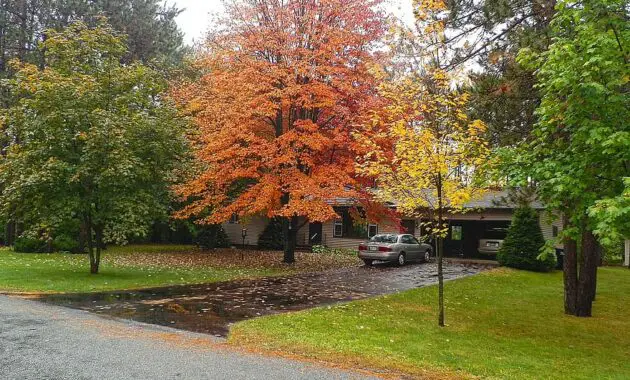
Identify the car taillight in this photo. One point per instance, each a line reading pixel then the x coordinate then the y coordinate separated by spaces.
pixel 363 247
pixel 384 249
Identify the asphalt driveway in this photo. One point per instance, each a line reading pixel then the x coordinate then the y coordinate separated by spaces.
pixel 212 308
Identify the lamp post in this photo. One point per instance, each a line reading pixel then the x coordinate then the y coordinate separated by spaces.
pixel 243 235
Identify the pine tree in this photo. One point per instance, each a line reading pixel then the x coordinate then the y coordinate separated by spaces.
pixel 524 240
pixel 271 237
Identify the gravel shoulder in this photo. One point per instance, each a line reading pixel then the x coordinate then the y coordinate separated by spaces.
pixel 39 341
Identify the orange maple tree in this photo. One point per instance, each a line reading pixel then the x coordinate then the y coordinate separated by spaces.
pixel 284 85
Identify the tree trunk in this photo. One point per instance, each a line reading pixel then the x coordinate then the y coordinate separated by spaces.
pixel 588 272
pixel 94 243
pixel 599 253
pixel 83 232
pixel 440 255
pixel 289 230
pixel 10 232
pixel 440 247
pixel 98 232
pixel 90 247
pixel 570 273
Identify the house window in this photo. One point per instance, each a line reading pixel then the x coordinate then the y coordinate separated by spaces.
pixel 234 219
pixel 372 230
pixel 456 233
pixel 338 228
pixel 554 231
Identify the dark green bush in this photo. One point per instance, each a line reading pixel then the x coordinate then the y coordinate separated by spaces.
pixel 272 237
pixel 523 243
pixel 25 244
pixel 65 243
pixel 212 236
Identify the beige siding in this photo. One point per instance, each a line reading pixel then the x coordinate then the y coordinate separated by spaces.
pixel 302 235
pixel 255 226
pixel 330 241
pixel 547 222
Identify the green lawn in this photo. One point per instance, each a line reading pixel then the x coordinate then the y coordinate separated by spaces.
pixel 130 267
pixel 501 324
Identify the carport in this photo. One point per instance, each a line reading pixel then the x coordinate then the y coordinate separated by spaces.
pixel 463 237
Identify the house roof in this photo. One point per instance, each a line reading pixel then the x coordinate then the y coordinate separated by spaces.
pixel 490 200
pixel 499 200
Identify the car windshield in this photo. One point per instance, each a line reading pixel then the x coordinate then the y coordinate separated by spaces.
pixel 495 233
pixel 390 238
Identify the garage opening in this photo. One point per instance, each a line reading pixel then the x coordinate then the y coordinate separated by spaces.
pixel 464 237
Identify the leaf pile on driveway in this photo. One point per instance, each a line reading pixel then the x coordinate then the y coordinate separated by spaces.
pixel 231 258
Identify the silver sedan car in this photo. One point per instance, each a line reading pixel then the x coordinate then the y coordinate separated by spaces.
pixel 399 248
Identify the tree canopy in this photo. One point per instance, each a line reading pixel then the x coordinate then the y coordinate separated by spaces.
pixel 421 145
pixel 285 84
pixel 89 138
pixel 579 151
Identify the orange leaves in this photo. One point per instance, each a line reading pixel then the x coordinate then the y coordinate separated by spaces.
pixel 284 85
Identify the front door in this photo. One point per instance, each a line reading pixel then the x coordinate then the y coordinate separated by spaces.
pixel 315 233
pixel 453 244
pixel 408 226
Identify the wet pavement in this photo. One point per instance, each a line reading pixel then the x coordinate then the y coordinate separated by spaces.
pixel 212 308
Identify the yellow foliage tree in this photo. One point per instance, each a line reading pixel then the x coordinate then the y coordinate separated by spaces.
pixel 428 154
pixel 422 147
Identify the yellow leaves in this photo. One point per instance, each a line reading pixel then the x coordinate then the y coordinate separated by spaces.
pixel 477 128
pixel 424 9
pixel 434 145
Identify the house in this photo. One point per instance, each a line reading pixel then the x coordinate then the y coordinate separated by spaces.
pixel 486 217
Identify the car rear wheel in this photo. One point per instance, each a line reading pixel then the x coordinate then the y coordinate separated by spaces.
pixel 368 263
pixel 401 260
pixel 427 255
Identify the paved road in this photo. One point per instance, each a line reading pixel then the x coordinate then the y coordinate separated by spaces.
pixel 39 341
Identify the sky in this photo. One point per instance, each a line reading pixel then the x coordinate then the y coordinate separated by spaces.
pixel 195 19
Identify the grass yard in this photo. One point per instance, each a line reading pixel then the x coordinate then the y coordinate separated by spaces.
pixel 501 324
pixel 144 266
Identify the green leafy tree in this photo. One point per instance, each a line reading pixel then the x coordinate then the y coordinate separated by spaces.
pixel 580 149
pixel 90 139
pixel 523 243
pixel 612 217
pixel 153 38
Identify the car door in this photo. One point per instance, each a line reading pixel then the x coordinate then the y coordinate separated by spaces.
pixel 423 247
pixel 417 248
pixel 410 247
